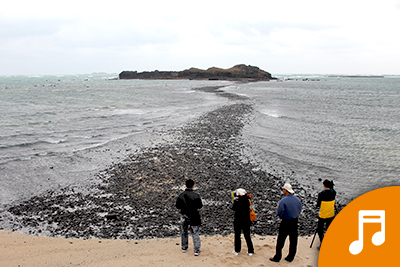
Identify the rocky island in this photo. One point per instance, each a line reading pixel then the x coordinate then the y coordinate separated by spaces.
pixel 236 73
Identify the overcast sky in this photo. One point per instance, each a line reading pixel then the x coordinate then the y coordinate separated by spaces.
pixel 281 37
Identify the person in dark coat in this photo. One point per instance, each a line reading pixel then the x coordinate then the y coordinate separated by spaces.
pixel 242 221
pixel 189 203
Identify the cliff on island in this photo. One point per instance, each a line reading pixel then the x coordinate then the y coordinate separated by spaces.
pixel 236 73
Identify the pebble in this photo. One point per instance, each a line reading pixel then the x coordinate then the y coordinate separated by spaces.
pixel 136 198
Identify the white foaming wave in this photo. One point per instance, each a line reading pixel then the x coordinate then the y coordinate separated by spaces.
pixel 56 141
pixel 92 136
pixel 231 87
pixel 243 95
pixel 105 142
pixel 129 112
pixel 33 143
pixel 271 113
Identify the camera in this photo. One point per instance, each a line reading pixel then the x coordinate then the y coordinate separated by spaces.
pixel 234 194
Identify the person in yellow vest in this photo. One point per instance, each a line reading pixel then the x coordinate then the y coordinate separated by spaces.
pixel 326 205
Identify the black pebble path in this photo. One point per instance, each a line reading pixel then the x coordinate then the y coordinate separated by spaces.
pixel 136 198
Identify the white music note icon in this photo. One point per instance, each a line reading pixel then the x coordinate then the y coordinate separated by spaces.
pixel 368 216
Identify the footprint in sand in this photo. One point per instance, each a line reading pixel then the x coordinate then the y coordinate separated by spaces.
pixel 267 246
pixel 229 259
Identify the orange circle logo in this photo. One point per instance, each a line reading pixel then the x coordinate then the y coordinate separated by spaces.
pixel 365 232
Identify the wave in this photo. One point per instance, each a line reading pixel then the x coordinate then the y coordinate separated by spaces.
pixel 129 112
pixel 33 143
pixel 381 129
pixel 243 95
pixel 93 136
pixel 271 113
pixel 100 144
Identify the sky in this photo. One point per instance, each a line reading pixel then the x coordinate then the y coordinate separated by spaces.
pixel 282 37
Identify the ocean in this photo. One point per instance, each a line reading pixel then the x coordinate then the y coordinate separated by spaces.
pixel 319 127
pixel 58 131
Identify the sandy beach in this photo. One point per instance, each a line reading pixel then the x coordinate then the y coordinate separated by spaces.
pixel 26 250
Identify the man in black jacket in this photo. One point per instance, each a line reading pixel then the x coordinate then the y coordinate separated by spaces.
pixel 189 203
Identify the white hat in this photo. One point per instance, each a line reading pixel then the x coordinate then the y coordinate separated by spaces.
pixel 241 192
pixel 288 188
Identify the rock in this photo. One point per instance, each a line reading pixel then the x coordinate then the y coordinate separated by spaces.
pixel 237 73
pixel 111 217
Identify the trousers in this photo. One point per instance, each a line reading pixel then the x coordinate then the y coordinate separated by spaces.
pixel 238 228
pixel 287 228
pixel 321 227
pixel 195 230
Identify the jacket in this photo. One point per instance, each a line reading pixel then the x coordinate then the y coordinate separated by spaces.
pixel 326 203
pixel 241 207
pixel 289 207
pixel 189 202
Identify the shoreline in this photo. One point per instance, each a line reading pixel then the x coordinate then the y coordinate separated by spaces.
pixel 25 250
pixel 136 197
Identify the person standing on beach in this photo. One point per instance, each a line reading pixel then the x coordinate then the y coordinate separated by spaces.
pixel 189 202
pixel 241 206
pixel 326 205
pixel 289 209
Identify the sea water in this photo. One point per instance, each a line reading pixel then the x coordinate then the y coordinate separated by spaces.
pixel 57 131
pixel 339 128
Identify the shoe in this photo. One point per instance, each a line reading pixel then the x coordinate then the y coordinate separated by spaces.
pixel 235 253
pixel 289 259
pixel 184 250
pixel 197 253
pixel 250 254
pixel 273 259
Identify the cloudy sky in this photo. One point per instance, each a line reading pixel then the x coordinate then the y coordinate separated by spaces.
pixel 282 37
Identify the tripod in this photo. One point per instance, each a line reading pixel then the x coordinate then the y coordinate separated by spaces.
pixel 312 242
